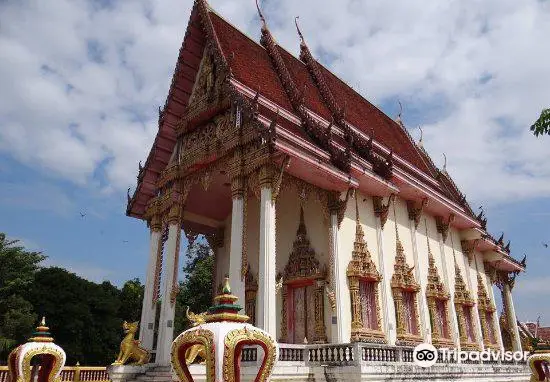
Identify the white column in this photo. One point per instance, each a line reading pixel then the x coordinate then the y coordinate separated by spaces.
pixel 338 277
pixel 424 313
pixel 266 272
pixel 385 289
pixel 168 305
pixel 148 307
pixel 452 310
pixel 511 316
pixel 236 247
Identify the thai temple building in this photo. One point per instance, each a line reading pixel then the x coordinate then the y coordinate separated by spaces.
pixel 339 235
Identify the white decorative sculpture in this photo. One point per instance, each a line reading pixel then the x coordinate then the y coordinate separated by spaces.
pixel 223 335
pixel 52 358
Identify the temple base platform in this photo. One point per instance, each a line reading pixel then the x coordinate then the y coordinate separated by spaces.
pixel 350 363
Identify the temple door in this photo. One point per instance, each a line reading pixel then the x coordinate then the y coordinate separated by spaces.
pixel 301 314
pixel 303 306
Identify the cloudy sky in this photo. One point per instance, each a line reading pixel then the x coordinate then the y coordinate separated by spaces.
pixel 81 82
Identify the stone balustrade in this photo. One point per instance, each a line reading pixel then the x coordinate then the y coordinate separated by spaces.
pixel 72 374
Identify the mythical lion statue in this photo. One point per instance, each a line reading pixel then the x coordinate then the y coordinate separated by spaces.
pixel 129 347
pixel 196 350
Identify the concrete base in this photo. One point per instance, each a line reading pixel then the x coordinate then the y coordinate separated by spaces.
pixel 125 373
pixel 378 373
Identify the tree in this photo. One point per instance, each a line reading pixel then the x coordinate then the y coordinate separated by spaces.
pixel 84 316
pixel 542 125
pixel 196 289
pixel 17 270
pixel 131 298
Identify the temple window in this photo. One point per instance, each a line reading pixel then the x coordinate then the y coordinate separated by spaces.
pixel 469 327
pixel 441 318
pixel 303 293
pixel 409 301
pixel 486 312
pixel 464 309
pixel 368 304
pixel 363 280
pixel 404 291
pixel 438 298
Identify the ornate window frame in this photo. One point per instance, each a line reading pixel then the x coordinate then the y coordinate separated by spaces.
pixel 436 291
pixel 463 299
pixel 302 269
pixel 362 268
pixel 485 307
pixel 403 281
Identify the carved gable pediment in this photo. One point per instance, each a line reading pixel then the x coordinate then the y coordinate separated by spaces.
pixel 462 294
pixel 361 263
pixel 302 263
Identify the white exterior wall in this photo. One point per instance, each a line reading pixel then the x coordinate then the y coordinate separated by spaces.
pixel 318 224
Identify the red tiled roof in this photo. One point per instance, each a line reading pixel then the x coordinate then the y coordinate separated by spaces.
pixel 365 116
pixel 250 63
pixel 304 83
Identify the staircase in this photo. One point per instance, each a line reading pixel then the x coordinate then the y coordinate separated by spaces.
pixel 155 374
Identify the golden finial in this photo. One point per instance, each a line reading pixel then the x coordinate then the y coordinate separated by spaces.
pixel 43 322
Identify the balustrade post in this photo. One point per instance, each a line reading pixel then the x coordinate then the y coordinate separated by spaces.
pixel 76 377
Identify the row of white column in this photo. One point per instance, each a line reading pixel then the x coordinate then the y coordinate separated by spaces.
pixel 167 305
pixel 266 303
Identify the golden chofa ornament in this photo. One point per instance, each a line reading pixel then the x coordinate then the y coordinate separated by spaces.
pixel 223 336
pixel 51 358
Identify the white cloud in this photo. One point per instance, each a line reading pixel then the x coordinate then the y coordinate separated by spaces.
pixel 81 83
pixel 37 196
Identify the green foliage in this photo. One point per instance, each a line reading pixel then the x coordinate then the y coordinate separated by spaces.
pixel 83 315
pixel 17 269
pixel 542 125
pixel 131 298
pixel 196 290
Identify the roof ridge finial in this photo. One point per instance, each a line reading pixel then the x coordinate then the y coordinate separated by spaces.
pixel 445 163
pixel 421 136
pixel 264 24
pixel 302 40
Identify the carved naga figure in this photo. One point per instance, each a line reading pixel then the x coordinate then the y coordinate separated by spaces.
pixel 539 362
pixel 196 350
pixel 129 347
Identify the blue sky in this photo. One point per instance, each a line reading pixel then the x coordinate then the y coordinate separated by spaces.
pixel 82 81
